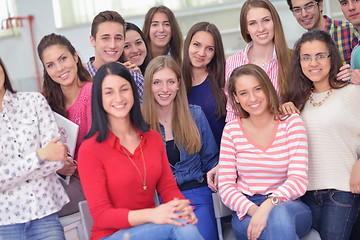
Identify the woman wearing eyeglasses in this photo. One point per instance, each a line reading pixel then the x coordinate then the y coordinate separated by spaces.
pixel 330 110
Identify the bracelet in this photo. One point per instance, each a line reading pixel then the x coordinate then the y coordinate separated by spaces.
pixel 39 158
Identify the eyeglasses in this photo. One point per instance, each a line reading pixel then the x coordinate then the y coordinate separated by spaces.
pixel 318 57
pixel 308 8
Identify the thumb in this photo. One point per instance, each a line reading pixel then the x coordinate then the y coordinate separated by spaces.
pixel 55 140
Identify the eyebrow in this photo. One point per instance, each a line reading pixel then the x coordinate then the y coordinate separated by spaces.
pixel 57 58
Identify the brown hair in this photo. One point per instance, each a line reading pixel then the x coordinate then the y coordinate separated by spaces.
pixel 299 85
pixel 52 90
pixel 265 84
pixel 291 6
pixel 283 53
pixel 7 83
pixel 106 16
pixel 216 67
pixel 175 44
pixel 186 133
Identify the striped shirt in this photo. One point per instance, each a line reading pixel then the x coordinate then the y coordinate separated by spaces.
pixel 239 59
pixel 246 169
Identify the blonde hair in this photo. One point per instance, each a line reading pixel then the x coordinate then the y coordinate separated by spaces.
pixel 188 136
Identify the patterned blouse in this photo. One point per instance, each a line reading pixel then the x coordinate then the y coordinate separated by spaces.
pixel 29 189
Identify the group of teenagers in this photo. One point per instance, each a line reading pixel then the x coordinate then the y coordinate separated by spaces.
pixel 274 131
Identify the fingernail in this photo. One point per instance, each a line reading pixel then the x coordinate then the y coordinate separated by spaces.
pixel 193 208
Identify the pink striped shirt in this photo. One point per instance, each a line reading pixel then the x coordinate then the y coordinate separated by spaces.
pixel 241 58
pixel 248 169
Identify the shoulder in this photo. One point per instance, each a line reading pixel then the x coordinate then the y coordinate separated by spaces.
pixel 30 98
pixel 153 136
pixel 86 90
pixel 195 111
pixel 235 57
pixel 232 125
pixel 350 91
pixel 293 121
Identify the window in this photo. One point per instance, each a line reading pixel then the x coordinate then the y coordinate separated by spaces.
pixel 8 27
pixel 74 12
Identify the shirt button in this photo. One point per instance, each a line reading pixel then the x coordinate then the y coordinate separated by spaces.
pixel 27 181
pixel 19 155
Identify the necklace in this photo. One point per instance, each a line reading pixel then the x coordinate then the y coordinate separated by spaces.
pixel 318 104
pixel 257 61
pixel 144 187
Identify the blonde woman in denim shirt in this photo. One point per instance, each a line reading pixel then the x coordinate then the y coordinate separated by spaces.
pixel 190 144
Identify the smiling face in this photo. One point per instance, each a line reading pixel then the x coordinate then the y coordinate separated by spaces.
pixel 160 30
pixel 317 70
pixel 134 48
pixel 250 95
pixel 201 49
pixel 260 26
pixel 60 65
pixel 351 11
pixel 117 97
pixel 164 87
pixel 108 44
pixel 310 17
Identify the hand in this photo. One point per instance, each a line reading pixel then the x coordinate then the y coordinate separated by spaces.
pixel 186 211
pixel 53 151
pixel 355 77
pixel 131 66
pixel 355 178
pixel 258 220
pixel 288 108
pixel 167 213
pixel 344 73
pixel 212 178
pixel 69 167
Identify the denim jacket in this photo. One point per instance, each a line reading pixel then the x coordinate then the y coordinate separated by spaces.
pixel 193 167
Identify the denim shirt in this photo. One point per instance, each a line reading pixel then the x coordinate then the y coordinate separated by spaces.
pixel 193 167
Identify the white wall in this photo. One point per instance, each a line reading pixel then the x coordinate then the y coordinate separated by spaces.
pixel 16 52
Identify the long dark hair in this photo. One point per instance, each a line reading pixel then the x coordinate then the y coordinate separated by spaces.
pixel 131 26
pixel 7 83
pixel 216 67
pixel 52 90
pixel 99 116
pixel 299 85
pixel 175 44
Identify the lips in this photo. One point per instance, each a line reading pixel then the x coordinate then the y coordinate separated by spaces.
pixel 164 96
pixel 64 76
pixel 111 52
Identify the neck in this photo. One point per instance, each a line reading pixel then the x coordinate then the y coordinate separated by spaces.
pixel 165 113
pixel 121 127
pixel 71 92
pixel 2 93
pixel 198 75
pixel 158 51
pixel 261 52
pixel 97 63
pixel 261 121
pixel 321 24
pixel 321 86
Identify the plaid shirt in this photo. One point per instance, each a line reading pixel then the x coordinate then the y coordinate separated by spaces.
pixel 345 36
pixel 139 79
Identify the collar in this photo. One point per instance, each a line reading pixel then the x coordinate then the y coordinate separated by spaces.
pixel 11 98
pixel 250 44
pixel 114 141
pixel 328 23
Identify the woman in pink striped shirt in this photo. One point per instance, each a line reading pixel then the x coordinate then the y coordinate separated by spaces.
pixel 263 162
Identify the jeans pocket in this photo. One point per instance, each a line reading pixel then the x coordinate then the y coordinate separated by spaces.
pixel 341 198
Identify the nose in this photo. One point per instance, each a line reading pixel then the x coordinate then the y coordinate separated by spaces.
pixel 351 5
pixel 253 97
pixel 112 43
pixel 303 12
pixel 59 67
pixel 202 51
pixel 313 61
pixel 161 28
pixel 261 27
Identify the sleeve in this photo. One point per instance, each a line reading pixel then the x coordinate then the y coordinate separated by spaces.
pixel 29 167
pixel 93 180
pixel 354 38
pixel 88 110
pixel 166 186
pixel 229 191
pixel 230 114
pixel 139 81
pixel 209 150
pixel 297 176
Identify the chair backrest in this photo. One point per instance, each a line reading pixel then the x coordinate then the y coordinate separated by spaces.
pixel 220 209
pixel 87 220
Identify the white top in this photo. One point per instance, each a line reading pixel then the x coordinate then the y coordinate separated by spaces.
pixel 334 137
pixel 28 190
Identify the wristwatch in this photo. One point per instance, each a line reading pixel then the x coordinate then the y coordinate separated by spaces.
pixel 274 200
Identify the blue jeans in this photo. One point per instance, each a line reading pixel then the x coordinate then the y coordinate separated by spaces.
pixel 48 227
pixel 201 198
pixel 289 220
pixel 151 231
pixel 334 212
